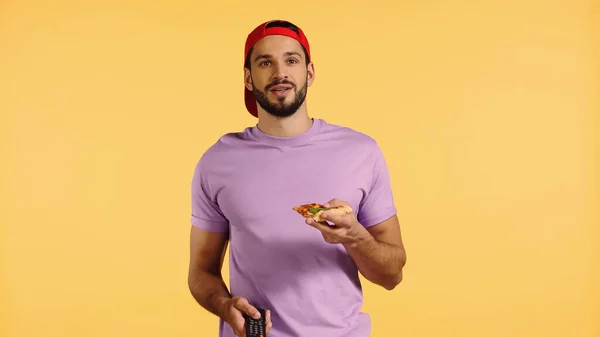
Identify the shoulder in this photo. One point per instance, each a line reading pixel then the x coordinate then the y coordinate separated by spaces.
pixel 223 151
pixel 349 136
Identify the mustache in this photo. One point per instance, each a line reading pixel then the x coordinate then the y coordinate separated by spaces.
pixel 272 84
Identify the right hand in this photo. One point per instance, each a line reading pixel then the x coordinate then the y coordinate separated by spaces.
pixel 232 314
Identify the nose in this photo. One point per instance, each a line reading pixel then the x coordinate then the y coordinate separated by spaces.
pixel 279 72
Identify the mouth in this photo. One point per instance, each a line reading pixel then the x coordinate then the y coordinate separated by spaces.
pixel 281 90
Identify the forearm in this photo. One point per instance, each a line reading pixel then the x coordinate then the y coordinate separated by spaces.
pixel 379 262
pixel 209 290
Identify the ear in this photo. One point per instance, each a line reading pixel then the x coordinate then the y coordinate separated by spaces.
pixel 311 73
pixel 247 79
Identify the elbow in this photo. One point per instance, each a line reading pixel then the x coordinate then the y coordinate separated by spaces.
pixel 192 281
pixel 196 278
pixel 393 282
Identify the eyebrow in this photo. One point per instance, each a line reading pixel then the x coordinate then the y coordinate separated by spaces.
pixel 267 56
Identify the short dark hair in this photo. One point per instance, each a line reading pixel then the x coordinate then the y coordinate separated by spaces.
pixel 284 24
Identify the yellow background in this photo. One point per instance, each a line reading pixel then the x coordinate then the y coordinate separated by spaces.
pixel 486 111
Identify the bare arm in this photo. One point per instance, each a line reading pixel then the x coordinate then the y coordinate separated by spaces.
pixel 207 251
pixel 379 253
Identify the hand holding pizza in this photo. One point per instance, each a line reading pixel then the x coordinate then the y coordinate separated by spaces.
pixel 345 229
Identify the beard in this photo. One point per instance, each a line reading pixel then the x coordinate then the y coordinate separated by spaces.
pixel 281 109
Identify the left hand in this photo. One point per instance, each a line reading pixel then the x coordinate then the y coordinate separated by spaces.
pixel 345 230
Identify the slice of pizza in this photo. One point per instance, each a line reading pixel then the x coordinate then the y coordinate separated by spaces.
pixel 315 210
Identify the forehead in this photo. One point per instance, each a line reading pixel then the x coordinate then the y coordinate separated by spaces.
pixel 277 45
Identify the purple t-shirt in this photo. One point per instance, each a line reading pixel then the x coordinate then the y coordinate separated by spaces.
pixel 247 184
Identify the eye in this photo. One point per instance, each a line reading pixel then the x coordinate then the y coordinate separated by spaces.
pixel 264 63
pixel 293 61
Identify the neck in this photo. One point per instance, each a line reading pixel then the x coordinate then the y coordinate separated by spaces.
pixel 291 126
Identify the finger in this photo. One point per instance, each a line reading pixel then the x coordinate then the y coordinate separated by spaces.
pixel 324 227
pixel 268 321
pixel 238 324
pixel 336 219
pixel 245 307
pixel 335 202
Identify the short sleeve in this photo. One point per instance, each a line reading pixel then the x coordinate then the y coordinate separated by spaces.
pixel 378 203
pixel 206 214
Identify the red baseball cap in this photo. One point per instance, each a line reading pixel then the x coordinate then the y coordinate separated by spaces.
pixel 266 29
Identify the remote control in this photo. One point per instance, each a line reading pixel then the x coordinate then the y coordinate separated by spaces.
pixel 256 327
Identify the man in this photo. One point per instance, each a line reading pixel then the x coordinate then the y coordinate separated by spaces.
pixel 305 274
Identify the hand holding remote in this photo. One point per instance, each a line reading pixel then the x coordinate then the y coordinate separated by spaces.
pixel 233 311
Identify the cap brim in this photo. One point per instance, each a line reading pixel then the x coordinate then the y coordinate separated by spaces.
pixel 250 101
